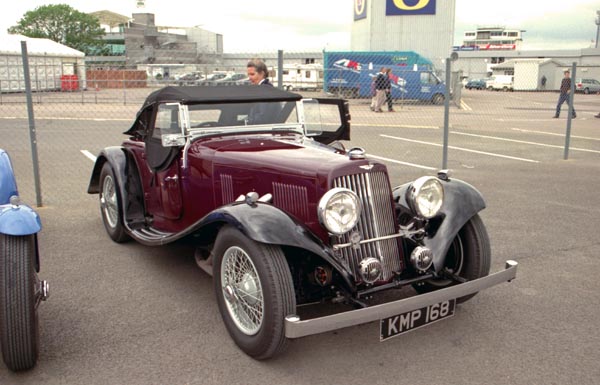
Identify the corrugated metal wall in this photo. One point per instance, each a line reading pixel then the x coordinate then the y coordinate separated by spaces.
pixel 429 35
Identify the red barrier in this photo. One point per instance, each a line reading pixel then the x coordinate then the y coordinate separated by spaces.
pixel 69 83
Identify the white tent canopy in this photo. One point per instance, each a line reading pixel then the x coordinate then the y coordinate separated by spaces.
pixel 11 45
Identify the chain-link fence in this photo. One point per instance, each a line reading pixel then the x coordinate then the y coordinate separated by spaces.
pixel 425 121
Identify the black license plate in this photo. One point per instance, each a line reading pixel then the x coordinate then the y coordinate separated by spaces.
pixel 402 323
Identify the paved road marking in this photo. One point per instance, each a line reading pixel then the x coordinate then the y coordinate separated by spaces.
pixel 523 142
pixel 465 106
pixel 554 133
pixel 394 125
pixel 464 149
pixel 400 162
pixel 88 155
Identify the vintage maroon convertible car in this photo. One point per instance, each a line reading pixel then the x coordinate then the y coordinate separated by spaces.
pixel 283 215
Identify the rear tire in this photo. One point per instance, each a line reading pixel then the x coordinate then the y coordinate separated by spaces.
pixel 468 257
pixel 19 335
pixel 111 206
pixel 586 91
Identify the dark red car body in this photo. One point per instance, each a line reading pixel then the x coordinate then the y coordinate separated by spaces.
pixel 203 163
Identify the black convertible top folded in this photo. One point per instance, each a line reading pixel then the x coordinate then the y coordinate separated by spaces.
pixel 220 94
pixel 205 95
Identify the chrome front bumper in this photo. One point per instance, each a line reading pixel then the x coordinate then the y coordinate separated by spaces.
pixel 295 327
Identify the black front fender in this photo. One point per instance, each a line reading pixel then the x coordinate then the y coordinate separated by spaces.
pixel 461 202
pixel 265 223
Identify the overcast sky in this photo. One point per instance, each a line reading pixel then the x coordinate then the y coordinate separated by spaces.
pixel 263 25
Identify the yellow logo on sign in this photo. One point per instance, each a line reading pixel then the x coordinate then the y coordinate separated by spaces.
pixel 359 6
pixel 401 4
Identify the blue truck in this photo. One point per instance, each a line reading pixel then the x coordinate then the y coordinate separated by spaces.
pixel 350 74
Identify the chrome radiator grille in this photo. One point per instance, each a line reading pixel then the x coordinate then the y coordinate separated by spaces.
pixel 376 220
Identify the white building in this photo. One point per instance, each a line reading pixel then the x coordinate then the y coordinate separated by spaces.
pixel 426 27
pixel 48 62
pixel 528 73
pixel 493 38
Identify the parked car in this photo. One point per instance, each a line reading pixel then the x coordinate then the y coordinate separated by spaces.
pixel 587 85
pixel 283 215
pixel 503 83
pixel 190 79
pixel 478 84
pixel 21 291
pixel 232 79
pixel 213 79
pixel 488 82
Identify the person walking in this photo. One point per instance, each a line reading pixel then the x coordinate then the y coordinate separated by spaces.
pixel 388 91
pixel 380 87
pixel 565 91
pixel 373 92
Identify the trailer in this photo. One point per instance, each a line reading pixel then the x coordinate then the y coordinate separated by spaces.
pixel 299 77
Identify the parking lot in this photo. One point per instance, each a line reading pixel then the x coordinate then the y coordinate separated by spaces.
pixel 131 314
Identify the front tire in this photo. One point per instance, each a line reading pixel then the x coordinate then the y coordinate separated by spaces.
pixel 19 335
pixel 255 293
pixel 468 257
pixel 437 99
pixel 111 206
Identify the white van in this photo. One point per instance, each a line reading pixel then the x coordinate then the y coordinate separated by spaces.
pixel 503 83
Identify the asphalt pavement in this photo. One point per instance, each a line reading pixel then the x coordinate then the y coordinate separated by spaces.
pixel 132 314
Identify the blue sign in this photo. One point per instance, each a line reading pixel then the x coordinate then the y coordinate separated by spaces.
pixel 409 7
pixel 360 9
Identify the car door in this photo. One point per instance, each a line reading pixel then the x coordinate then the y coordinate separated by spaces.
pixel 164 161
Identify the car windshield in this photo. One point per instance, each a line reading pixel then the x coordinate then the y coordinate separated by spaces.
pixel 306 117
pixel 209 119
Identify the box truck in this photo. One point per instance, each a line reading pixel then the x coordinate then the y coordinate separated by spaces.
pixel 350 74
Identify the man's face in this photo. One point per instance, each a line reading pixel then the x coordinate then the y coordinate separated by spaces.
pixel 254 76
pixel 567 74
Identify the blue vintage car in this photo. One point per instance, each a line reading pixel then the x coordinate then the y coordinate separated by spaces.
pixel 21 291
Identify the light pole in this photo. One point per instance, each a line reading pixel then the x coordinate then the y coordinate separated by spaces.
pixel 597 27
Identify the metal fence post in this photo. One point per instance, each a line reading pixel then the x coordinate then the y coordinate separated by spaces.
pixel 32 135
pixel 124 91
pixel 571 109
pixel 280 69
pixel 446 114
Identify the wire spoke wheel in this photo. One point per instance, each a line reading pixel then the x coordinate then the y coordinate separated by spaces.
pixel 111 206
pixel 254 291
pixel 108 201
pixel 242 290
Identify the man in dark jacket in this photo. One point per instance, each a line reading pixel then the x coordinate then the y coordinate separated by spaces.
pixel 565 91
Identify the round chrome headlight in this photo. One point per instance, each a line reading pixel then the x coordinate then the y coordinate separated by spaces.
pixel 339 210
pixel 426 196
